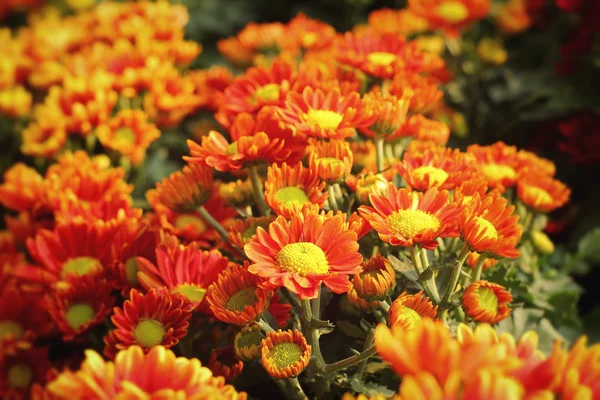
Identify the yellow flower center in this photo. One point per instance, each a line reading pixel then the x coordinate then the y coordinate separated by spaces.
pixel 540 196
pixel 19 376
pixel 409 223
pixel 193 293
pixel 291 195
pixel 381 58
pixel 79 314
pixel 303 259
pixel 309 38
pixel 149 333
pixel 489 229
pixel 453 11
pixel 487 299
pixel 269 92
pixel 437 176
pixel 286 354
pixel 80 266
pixel 11 328
pixel 131 270
pixel 185 220
pixel 125 135
pixel 232 149
pixel 408 318
pixel 326 119
pixel 498 172
pixel 243 298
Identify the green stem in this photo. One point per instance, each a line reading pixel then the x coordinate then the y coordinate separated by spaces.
pixel 456 268
pixel 311 333
pixel 478 268
pixel 264 325
pixel 257 188
pixel 368 343
pixel 350 361
pixel 218 227
pixel 425 264
pixel 379 153
pixel 429 283
pixel 332 198
pixel 385 307
pixel 297 389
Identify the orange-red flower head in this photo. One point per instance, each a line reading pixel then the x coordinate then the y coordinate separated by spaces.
pixel 331 161
pixel 186 190
pixel 487 302
pixel 542 193
pixel 450 15
pixel 408 310
pixel 285 354
pixel 377 280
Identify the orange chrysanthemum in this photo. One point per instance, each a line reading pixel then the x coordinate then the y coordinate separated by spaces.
pixel 289 188
pixel 224 362
pixel 486 302
pixel 463 193
pixel 531 162
pixel 542 193
pixel 129 133
pixel 80 304
pixel 422 91
pixel 450 15
pixel 242 231
pixel 261 37
pixel 235 52
pixel 404 218
pixel 235 297
pixel 247 343
pixel 331 161
pixel 369 184
pixel 400 22
pixel 488 226
pixel 307 34
pixel 15 102
pixel 376 281
pixel 474 257
pixel 444 169
pixel 304 252
pixel 513 17
pixel 409 310
pixel 148 320
pixel 237 194
pixel 498 163
pixel 426 130
pixel 186 190
pixel 324 114
pixel 390 115
pixel 22 188
pixel 133 373
pixel 43 139
pixel 211 83
pixel 285 354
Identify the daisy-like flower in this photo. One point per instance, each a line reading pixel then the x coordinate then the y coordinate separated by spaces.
pixel 423 92
pixel 181 269
pixel 289 188
pixel 376 281
pixel 15 102
pixel 237 194
pixel 390 115
pixel 211 83
pixel 307 34
pixel 324 114
pixel 542 193
pixel 399 22
pixel 463 193
pixel 21 371
pixel 129 133
pixel 224 362
pixel 487 302
pixel 236 298
pixel 22 188
pixel 304 252
pixel 426 130
pixel 148 320
pixel 409 310
pixel 331 160
pixel 42 139
pixel 450 15
pixel 285 354
pixel 404 218
pixel 369 184
pixel 513 17
pixel 132 374
pixel 358 303
pixel 444 169
pixel 242 231
pixel 80 304
pixel 488 226
pixel 531 162
pixel 186 190
pixel 498 163
pixel 247 343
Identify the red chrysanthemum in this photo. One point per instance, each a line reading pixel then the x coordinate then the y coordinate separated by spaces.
pixel 21 371
pixel 186 190
pixel 224 362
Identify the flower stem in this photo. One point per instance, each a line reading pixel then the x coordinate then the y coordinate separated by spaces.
pixel 217 227
pixel 385 307
pixel 425 264
pixel 311 333
pixel 379 153
pixel 478 268
pixel 368 343
pixel 428 284
pixel 257 188
pixel 332 198
pixel 456 268
pixel 264 325
pixel 350 361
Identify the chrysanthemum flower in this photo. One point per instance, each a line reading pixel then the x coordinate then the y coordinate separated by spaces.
pixel 498 163
pixel 236 297
pixel 324 114
pixel 332 160
pixel 234 51
pixel 186 190
pixel 129 133
pixel 450 15
pixel 531 162
pixel 80 304
pixel 426 130
pixel 473 259
pixel 404 218
pixel 487 302
pixel 237 194
pixel 280 311
pixel 542 193
pixel 211 83
pixel 261 37
pixel 400 22
pixel 285 354
pixel 513 17
pixel 247 343
pixel 358 303
pixel 422 92
pixel 377 280
pixel 224 362
pixel 242 231
pixel 370 184
pixel 15 102
pixel 181 269
pixel 138 240
pixel 390 115
pixel 288 188
pixel 156 318
pixel 488 226
pixel 40 139
pixel 463 193
pixel 304 252
pixel 409 310
pixel 19 372
pixel 22 188
pixel 133 373
pixel 307 34
pixel 444 169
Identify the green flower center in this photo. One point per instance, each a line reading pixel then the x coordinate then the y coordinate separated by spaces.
pixel 489 229
pixel 291 195
pixel 193 293
pixel 125 135
pixel 381 58
pixel 131 270
pixel 408 318
pixel 80 266
pixel 19 376
pixel 185 220
pixel 269 92
pixel 286 354
pixel 326 119
pixel 453 11
pixel 11 328
pixel 303 259
pixel 249 233
pixel 243 298
pixel 487 299
pixel 437 176
pixel 79 314
pixel 409 223
pixel 250 339
pixel 149 332
pixel 232 148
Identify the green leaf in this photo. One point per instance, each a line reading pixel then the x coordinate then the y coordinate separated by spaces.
pixel 351 330
pixel 589 246
pixel 370 388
